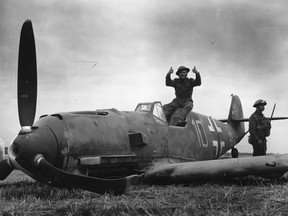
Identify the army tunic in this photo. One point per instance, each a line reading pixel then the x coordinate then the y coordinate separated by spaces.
pixel 259 129
pixel 184 87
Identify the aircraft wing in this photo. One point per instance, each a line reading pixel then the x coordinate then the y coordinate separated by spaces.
pixel 270 166
pixel 247 119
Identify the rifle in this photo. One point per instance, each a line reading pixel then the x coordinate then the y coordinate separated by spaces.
pixel 269 120
pixel 273 111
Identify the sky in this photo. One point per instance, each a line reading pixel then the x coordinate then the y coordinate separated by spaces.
pixel 94 54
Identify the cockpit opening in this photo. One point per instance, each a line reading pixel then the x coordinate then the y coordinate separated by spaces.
pixel 155 108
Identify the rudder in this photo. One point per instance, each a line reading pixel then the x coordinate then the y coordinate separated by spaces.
pixel 235 114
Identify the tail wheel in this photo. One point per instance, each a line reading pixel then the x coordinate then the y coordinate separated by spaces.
pixel 234 153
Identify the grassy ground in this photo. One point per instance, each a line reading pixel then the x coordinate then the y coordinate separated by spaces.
pixel 19 195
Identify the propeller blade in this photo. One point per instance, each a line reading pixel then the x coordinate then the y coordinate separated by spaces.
pixel 5 169
pixel 98 185
pixel 27 76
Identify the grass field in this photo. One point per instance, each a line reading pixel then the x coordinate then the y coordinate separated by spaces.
pixel 20 195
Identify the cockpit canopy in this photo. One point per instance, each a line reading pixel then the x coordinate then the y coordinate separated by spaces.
pixel 155 108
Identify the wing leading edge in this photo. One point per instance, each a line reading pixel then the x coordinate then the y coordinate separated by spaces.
pixel 271 166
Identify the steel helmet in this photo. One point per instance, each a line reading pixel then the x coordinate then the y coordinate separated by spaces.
pixel 258 102
pixel 182 68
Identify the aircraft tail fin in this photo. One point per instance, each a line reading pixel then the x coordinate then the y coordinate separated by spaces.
pixel 235 117
pixel 236 111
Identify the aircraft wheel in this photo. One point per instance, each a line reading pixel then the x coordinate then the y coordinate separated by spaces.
pixel 234 153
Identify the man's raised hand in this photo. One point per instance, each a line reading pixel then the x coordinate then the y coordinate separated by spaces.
pixel 170 71
pixel 195 70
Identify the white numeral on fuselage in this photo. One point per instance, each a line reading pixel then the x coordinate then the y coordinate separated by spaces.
pixel 216 135
pixel 200 133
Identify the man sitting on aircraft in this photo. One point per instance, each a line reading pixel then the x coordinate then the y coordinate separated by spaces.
pixel 259 129
pixel 183 90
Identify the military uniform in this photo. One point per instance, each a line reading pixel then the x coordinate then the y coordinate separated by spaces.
pixel 259 129
pixel 183 91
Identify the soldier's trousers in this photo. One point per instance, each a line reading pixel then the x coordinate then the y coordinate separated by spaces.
pixel 185 103
pixel 259 149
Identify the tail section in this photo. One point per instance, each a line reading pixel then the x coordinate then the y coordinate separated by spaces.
pixel 235 117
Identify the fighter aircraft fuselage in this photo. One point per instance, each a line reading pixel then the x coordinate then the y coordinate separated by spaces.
pixel 110 143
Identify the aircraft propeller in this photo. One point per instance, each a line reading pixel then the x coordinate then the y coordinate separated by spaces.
pixel 27 77
pixel 5 169
pixel 27 98
pixel 27 87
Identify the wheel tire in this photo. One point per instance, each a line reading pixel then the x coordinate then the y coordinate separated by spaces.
pixel 234 153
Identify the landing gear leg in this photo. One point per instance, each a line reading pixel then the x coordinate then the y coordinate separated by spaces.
pixel 234 152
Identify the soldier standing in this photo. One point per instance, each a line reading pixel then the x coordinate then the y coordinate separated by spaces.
pixel 259 129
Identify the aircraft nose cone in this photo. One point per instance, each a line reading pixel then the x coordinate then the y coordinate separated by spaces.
pixel 39 140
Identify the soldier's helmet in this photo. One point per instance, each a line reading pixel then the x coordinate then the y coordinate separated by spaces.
pixel 182 68
pixel 258 102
